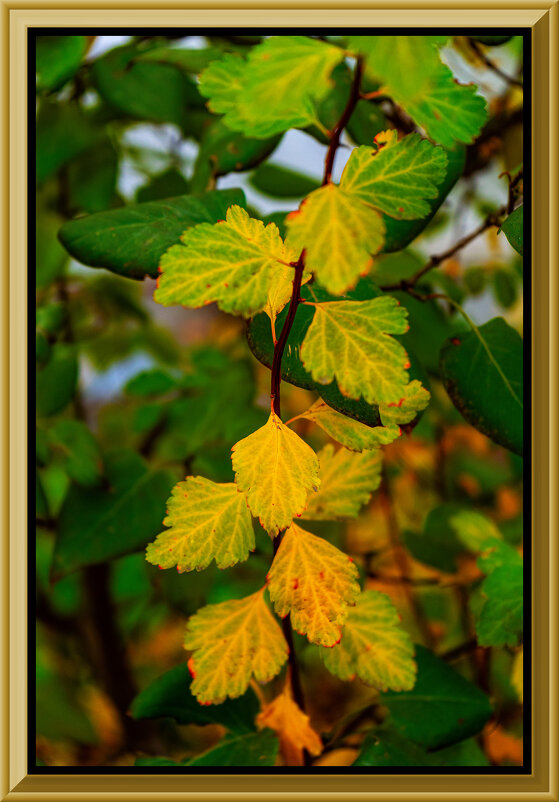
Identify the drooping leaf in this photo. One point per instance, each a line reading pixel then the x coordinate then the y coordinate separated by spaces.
pixel 57 59
pixel 293 727
pixel 347 480
pixel 411 72
pixel 339 234
pixel 348 432
pixel 207 521
pixel 82 457
pixel 483 374
pixel 374 647
pixel 399 177
pixel 361 355
pixel 441 709
pixel 386 747
pixel 170 696
pixel 513 227
pixel 236 263
pixel 314 582
pixel 277 470
pixel 130 241
pixel 291 72
pixel 98 524
pixel 232 642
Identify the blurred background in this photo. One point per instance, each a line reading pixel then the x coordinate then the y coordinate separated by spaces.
pixel 132 397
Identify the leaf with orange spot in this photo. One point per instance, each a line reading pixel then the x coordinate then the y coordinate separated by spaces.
pixel 232 642
pixel 285 717
pixel 374 647
pixel 350 433
pixel 314 582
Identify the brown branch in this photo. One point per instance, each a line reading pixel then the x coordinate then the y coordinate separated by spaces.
pixel 342 122
pixel 480 53
pixel 408 284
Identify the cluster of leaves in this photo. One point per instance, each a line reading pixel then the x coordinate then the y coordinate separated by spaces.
pixel 309 285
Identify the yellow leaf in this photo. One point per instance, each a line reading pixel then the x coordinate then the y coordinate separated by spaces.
pixel 208 522
pixel 347 481
pixel 374 647
pixel 315 582
pixel 232 642
pixel 414 400
pixel 280 289
pixel 348 432
pixel 277 470
pixel 339 233
pixel 293 726
pixel 359 353
pixel 234 263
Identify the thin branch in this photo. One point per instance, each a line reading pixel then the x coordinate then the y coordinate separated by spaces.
pixel 480 53
pixel 492 220
pixel 342 122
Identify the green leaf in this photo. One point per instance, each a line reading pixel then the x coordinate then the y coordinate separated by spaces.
pixel 442 709
pixel 291 72
pixel 236 263
pixel 374 647
pixel 281 182
pixel 146 91
pixel 82 458
pixel 57 59
pixel 386 747
pixel 438 544
pixel 361 355
pixel 57 380
pixel 50 256
pixel 41 503
pixel 207 521
pixel 92 178
pixel 513 228
pixel 366 122
pixel 169 184
pixel 258 749
pixel 188 59
pixel 473 529
pixel 54 146
pixel 130 241
pixel 411 72
pixel 169 696
pixel 500 620
pixel 483 375
pixel 97 525
pixel 399 177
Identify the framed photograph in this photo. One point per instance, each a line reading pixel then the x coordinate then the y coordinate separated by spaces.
pixel 295 464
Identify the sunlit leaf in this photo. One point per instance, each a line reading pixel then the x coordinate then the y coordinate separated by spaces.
pixel 285 717
pixel 348 432
pixel 361 355
pixel 314 582
pixel 414 400
pixel 235 263
pixel 374 647
pixel 347 480
pixel 232 642
pixel 339 234
pixel 290 72
pixel 474 530
pixel 277 470
pixel 207 521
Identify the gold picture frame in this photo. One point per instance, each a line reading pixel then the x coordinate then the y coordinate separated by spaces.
pixel 543 20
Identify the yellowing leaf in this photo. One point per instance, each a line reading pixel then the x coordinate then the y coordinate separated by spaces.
pixel 285 717
pixel 348 340
pixel 232 642
pixel 277 470
pixel 276 88
pixel 347 481
pixel 412 73
pixel 314 582
pixel 414 400
pixel 397 178
pixel 339 234
pixel 234 263
pixel 279 292
pixel 348 432
pixel 208 522
pixel 374 647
